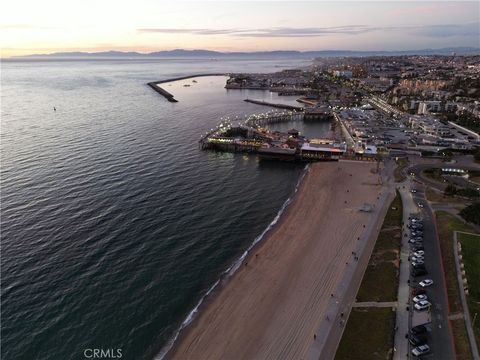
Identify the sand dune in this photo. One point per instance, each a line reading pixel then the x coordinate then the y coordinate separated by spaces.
pixel 273 305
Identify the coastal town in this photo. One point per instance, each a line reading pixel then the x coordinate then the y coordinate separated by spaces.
pixel 411 124
pixel 426 104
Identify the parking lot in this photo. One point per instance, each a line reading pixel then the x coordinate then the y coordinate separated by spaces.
pixel 432 307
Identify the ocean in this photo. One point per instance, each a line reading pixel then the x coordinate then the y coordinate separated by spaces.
pixel 114 224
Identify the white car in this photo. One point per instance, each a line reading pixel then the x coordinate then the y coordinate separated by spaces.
pixel 420 205
pixel 419 298
pixel 426 282
pixel 417 259
pixel 421 350
pixel 422 305
pixel 419 253
pixel 418 263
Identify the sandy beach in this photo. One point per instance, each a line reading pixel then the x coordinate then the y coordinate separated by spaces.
pixel 274 304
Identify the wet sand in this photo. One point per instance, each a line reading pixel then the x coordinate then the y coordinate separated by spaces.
pixel 272 306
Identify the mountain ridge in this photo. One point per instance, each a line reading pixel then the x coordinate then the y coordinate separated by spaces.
pixel 275 53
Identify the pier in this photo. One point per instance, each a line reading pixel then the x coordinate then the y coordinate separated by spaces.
pixel 275 105
pixel 273 145
pixel 155 84
pixel 273 118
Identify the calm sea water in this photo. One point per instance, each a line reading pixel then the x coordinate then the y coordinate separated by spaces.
pixel 113 223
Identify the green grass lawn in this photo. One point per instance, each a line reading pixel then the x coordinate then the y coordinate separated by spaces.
pixel 446 225
pixel 471 260
pixel 380 281
pixel 369 335
pixel 462 344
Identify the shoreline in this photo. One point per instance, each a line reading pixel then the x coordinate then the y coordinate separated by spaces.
pixel 231 287
pixel 228 275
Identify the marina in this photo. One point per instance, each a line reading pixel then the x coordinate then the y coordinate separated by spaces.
pixel 155 85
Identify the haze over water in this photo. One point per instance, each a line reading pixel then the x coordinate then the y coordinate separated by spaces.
pixel 114 223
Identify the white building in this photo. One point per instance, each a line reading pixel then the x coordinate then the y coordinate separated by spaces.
pixel 343 73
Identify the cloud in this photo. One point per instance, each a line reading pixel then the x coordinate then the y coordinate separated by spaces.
pixel 267 32
pixel 471 29
pixel 448 30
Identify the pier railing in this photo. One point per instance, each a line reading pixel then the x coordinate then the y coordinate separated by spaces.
pixel 256 120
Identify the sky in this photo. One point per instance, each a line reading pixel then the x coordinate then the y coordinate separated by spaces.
pixel 46 26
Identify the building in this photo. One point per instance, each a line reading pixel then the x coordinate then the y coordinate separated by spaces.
pixel 426 107
pixel 347 74
pixel 310 151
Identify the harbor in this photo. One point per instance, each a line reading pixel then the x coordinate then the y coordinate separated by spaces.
pixel 155 85
pixel 253 136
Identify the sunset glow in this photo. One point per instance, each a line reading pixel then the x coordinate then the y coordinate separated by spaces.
pixel 49 26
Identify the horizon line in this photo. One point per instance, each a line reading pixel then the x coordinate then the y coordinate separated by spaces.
pixel 146 53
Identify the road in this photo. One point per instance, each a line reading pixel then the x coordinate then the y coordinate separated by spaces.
pixel 419 168
pixel 440 339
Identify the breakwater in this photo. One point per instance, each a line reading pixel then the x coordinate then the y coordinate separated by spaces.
pixel 155 85
pixel 162 92
pixel 275 105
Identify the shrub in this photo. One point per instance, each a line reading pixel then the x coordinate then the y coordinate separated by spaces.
pixel 472 213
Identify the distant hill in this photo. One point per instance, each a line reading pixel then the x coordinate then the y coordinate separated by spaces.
pixel 182 53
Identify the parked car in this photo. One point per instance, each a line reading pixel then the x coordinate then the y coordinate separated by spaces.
pixel 426 283
pixel 419 298
pixel 416 221
pixel 420 205
pixel 418 264
pixel 414 244
pixel 417 340
pixel 419 253
pixel 417 246
pixel 419 272
pixel 419 329
pixel 417 259
pixel 413 191
pixel 422 305
pixel 421 350
pixel 418 291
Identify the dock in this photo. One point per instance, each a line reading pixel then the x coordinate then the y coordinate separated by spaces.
pixel 275 105
pixel 155 85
